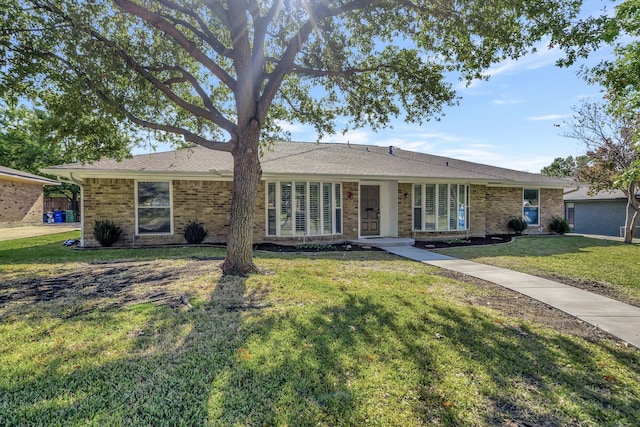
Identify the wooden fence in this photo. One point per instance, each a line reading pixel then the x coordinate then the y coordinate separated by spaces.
pixel 56 204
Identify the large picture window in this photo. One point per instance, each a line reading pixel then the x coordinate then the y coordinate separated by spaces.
pixel 531 206
pixel 153 207
pixel 300 208
pixel 440 207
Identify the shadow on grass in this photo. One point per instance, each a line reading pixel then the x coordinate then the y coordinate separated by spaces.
pixel 536 379
pixel 162 376
pixel 243 359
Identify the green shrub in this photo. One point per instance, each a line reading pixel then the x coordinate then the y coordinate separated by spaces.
pixel 518 225
pixel 194 232
pixel 559 225
pixel 106 232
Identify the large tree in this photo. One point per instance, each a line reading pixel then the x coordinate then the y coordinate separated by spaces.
pixel 612 156
pixel 564 167
pixel 224 74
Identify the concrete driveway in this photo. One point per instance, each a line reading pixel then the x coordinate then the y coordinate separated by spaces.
pixel 11 233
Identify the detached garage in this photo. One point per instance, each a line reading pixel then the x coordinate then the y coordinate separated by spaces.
pixel 21 196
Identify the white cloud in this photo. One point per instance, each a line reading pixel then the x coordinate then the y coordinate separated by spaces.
pixel 547 117
pixel 507 101
pixel 542 57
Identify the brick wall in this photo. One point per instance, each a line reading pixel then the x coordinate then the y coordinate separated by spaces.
pixel 350 214
pixel 111 199
pixel 502 203
pixel 405 211
pixel 478 210
pixel 208 202
pixel 20 202
pixel 551 204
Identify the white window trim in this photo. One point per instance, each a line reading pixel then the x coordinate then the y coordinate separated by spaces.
pixel 170 207
pixel 436 203
pixel 538 206
pixel 307 210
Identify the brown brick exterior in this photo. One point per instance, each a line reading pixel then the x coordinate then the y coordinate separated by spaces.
pixel 20 202
pixel 209 203
pixel 478 210
pixel 502 203
pixel 112 199
pixel 551 204
pixel 405 212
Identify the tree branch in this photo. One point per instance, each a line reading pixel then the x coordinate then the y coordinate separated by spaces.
pixel 158 21
pixel 102 94
pixel 204 33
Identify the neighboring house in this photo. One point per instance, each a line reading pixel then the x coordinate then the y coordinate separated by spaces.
pixel 603 213
pixel 21 196
pixel 312 192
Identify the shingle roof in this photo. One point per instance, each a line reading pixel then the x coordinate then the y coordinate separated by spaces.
pixel 18 175
pixel 582 194
pixel 302 158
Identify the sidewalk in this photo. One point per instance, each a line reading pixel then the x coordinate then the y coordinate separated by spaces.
pixel 12 233
pixel 619 319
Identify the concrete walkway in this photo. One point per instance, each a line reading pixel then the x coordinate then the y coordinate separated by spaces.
pixel 22 232
pixel 619 319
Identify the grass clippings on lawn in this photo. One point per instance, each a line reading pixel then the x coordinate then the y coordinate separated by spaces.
pixel 158 337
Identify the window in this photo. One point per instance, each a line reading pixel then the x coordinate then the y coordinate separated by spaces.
pixel 531 206
pixel 153 207
pixel 304 208
pixel 440 207
pixel 571 214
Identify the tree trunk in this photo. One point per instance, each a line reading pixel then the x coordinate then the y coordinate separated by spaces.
pixel 632 218
pixel 246 180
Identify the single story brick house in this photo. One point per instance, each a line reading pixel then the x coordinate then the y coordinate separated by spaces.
pixel 21 196
pixel 603 213
pixel 312 192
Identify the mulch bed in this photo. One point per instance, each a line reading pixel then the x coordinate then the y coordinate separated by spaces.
pixel 313 247
pixel 344 246
pixel 464 241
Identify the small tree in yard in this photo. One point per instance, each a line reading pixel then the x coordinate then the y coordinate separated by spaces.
pixel 613 158
pixel 226 74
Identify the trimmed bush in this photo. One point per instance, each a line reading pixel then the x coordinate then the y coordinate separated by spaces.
pixel 518 225
pixel 559 225
pixel 194 232
pixel 106 232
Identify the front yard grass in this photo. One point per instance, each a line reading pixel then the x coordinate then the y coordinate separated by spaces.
pixel 602 266
pixel 158 337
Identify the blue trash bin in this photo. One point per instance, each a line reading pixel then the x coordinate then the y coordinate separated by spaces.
pixel 58 216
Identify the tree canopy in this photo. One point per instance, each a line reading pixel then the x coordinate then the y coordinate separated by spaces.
pixel 227 74
pixel 621 75
pixel 564 167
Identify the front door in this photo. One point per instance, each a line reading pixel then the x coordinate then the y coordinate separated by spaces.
pixel 369 210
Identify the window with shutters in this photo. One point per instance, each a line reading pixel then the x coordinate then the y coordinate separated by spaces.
pixel 301 208
pixel 440 207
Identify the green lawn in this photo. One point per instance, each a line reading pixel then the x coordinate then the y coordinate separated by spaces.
pixel 608 264
pixel 102 338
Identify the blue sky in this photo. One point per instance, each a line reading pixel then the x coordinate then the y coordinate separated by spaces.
pixel 509 121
